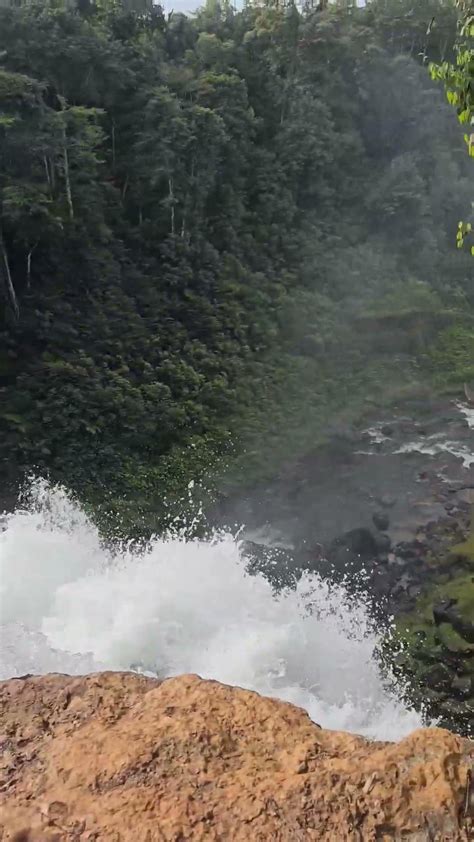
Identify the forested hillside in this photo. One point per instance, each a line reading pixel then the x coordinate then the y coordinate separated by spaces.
pixel 218 232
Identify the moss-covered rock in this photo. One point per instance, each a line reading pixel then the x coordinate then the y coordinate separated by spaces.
pixel 437 640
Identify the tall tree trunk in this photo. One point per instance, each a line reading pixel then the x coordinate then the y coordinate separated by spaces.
pixel 444 50
pixel 171 197
pixel 113 144
pixel 28 265
pixel 10 289
pixel 52 174
pixel 66 175
pixel 48 177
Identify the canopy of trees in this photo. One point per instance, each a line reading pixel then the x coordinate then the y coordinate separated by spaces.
pixel 183 198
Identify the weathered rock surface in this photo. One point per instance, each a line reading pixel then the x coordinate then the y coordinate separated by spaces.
pixel 122 758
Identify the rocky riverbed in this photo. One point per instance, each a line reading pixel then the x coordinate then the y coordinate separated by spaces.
pixel 387 508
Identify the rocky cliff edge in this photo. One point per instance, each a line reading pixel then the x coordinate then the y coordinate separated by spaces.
pixel 117 757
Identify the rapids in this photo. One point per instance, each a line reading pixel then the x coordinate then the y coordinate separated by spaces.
pixel 68 604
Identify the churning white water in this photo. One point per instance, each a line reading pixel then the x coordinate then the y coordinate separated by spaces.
pixel 68 604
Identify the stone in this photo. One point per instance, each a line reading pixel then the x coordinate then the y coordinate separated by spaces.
pixel 462 685
pixel 387 501
pixel 406 551
pixel 383 542
pixel 279 566
pixel 438 676
pixel 446 612
pixel 414 591
pixel 381 521
pixel 452 641
pixel 442 611
pixel 355 545
pixel 131 758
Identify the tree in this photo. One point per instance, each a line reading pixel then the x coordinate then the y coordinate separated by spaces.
pixel 459 82
pixel 187 205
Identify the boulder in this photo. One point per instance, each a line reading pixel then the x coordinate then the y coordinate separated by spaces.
pixel 446 612
pixel 118 757
pixel 381 521
pixel 352 549
pixel 277 565
pixel 383 543
pixel 438 676
pixel 463 685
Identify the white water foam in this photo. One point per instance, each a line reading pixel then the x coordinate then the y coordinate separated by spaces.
pixel 69 605
pixel 432 446
pixel 468 412
pixel 438 443
pixel 376 434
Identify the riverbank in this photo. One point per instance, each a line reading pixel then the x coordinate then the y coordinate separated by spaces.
pixel 385 507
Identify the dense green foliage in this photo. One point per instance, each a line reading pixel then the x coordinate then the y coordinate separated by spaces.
pixel 459 81
pixel 459 77
pixel 213 228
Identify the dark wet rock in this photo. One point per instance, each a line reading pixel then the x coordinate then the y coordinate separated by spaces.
pixel 407 551
pixel 350 553
pixel 438 676
pixel 360 542
pixel 449 642
pixel 414 591
pixel 383 544
pixel 463 685
pixel 381 521
pixel 441 611
pixel 402 583
pixel 387 501
pixel 446 612
pixel 451 508
pixel 279 566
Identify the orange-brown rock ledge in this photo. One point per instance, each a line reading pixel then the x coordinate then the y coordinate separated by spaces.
pixel 118 757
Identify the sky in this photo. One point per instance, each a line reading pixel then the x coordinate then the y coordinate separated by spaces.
pixel 182 5
pixel 189 5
